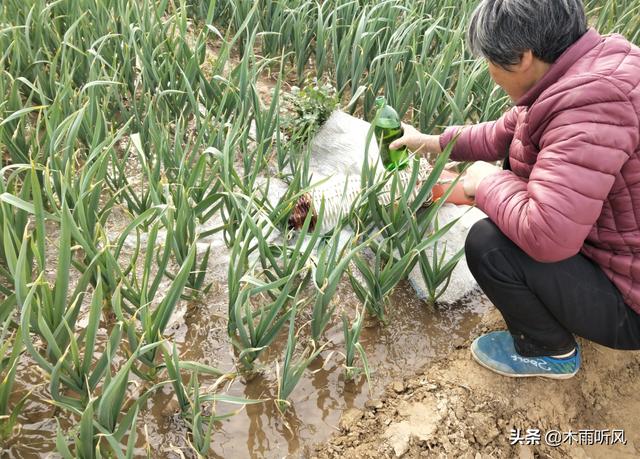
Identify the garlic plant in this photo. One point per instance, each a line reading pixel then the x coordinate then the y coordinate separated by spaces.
pixel 339 194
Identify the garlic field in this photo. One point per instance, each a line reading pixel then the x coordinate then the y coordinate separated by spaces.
pixel 154 301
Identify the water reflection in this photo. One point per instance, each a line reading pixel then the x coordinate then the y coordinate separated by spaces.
pixel 416 334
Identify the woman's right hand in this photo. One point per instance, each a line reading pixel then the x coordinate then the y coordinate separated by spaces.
pixel 417 142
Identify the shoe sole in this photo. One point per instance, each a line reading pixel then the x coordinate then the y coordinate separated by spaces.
pixel 512 375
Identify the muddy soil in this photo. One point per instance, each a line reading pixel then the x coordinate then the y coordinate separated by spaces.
pixel 416 335
pixel 456 408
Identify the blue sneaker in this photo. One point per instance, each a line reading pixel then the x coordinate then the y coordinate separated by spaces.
pixel 496 352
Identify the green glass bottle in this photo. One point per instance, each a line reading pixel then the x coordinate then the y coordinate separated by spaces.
pixel 387 129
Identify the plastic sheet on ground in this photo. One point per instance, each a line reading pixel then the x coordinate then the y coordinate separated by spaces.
pixel 338 152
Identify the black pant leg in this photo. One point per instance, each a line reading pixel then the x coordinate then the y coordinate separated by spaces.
pixel 544 304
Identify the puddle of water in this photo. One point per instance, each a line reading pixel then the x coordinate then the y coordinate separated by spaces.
pixel 416 335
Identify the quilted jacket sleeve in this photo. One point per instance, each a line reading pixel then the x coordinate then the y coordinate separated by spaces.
pixel 482 142
pixel 591 130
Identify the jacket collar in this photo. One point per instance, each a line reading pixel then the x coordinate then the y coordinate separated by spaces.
pixel 581 47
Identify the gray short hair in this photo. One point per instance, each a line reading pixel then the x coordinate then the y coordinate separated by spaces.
pixel 502 30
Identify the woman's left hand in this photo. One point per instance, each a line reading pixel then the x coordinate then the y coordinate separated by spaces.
pixel 475 174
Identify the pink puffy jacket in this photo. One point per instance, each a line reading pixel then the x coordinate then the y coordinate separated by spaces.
pixel 573 143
